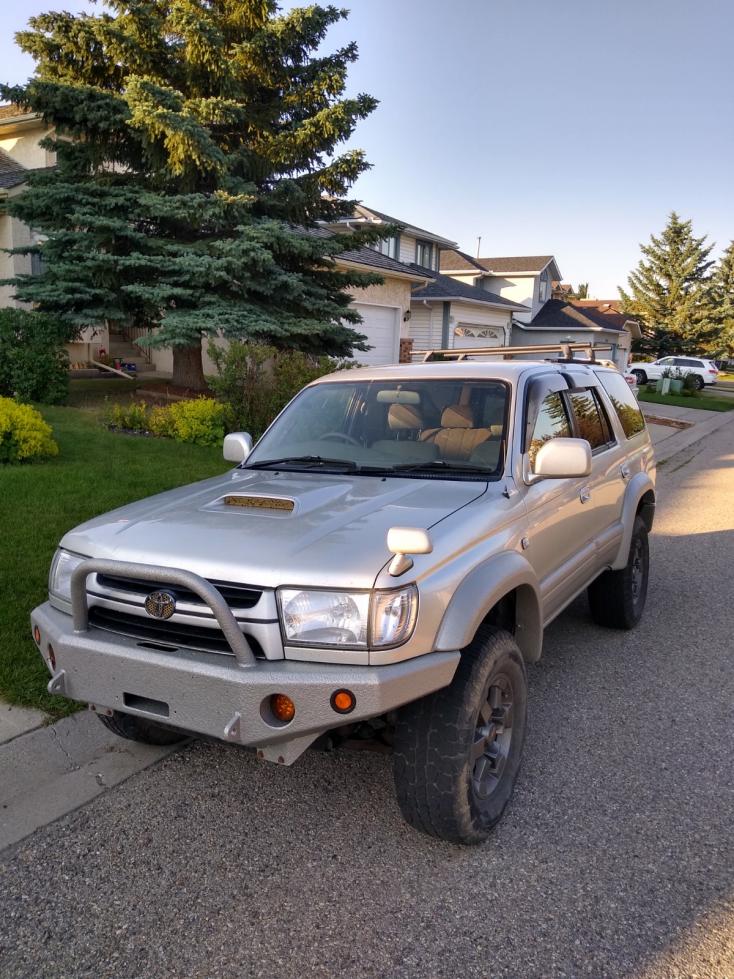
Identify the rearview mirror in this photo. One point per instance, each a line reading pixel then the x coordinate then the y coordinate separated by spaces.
pixel 237 446
pixel 563 459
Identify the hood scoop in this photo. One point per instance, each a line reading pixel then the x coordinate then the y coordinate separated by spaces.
pixel 258 502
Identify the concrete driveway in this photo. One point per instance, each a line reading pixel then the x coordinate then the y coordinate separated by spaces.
pixel 615 859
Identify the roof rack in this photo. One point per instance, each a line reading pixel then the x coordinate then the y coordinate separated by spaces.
pixel 567 351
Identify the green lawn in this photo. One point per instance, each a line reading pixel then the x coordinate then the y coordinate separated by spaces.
pixel 705 403
pixel 95 471
pixel 92 393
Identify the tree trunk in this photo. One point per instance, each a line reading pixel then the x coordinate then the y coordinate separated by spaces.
pixel 187 368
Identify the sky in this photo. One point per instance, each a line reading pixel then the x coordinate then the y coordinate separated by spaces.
pixel 570 128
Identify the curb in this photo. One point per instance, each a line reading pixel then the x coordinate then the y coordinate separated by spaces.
pixel 689 436
pixel 51 771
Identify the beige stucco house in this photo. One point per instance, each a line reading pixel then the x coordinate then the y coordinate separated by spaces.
pixel 21 152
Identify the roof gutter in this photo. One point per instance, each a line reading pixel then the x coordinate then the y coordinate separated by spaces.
pixel 389 273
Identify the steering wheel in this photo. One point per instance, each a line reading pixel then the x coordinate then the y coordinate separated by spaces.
pixel 339 436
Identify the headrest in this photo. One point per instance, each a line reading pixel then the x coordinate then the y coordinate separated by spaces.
pixel 404 417
pixel 457 416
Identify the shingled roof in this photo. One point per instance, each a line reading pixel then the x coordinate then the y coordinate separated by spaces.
pixel 445 288
pixel 557 314
pixel 12 173
pixel 453 260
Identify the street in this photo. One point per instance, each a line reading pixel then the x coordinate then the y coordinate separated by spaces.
pixel 615 858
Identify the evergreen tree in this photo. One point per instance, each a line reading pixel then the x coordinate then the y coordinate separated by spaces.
pixel 723 294
pixel 196 143
pixel 670 292
pixel 583 291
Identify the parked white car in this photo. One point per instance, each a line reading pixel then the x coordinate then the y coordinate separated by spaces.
pixel 705 370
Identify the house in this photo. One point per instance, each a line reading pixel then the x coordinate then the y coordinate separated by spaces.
pixel 21 152
pixel 549 316
pixel 442 312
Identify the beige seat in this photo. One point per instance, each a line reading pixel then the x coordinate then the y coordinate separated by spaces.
pixel 406 421
pixel 457 438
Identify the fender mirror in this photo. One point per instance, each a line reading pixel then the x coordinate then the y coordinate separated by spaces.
pixel 237 446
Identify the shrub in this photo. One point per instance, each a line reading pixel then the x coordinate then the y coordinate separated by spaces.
pixel 24 435
pixel 200 420
pixel 34 365
pixel 255 381
pixel 690 386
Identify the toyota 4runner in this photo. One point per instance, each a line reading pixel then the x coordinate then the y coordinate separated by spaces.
pixel 382 563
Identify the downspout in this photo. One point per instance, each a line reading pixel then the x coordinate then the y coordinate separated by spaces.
pixel 445 325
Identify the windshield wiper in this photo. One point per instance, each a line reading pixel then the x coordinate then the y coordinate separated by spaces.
pixel 303 461
pixel 441 464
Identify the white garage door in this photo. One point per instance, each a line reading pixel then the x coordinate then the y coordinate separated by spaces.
pixel 380 326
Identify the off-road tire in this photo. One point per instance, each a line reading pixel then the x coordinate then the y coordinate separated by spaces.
pixel 138 729
pixel 641 377
pixel 437 738
pixel 617 598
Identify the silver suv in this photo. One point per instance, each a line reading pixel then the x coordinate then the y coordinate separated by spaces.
pixel 381 565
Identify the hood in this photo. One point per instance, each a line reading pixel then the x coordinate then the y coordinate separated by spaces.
pixel 270 529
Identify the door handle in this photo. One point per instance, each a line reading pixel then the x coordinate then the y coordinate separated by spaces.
pixel 625 472
pixel 585 494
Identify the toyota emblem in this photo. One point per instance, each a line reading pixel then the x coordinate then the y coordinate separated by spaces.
pixel 160 604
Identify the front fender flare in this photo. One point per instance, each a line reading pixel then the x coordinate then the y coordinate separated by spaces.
pixel 640 484
pixel 481 590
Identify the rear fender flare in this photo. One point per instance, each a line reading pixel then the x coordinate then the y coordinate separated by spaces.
pixel 481 590
pixel 640 484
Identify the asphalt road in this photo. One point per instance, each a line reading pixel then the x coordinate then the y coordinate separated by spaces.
pixel 615 858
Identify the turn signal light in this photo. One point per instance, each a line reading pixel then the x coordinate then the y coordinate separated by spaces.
pixel 37 635
pixel 343 701
pixel 282 707
pixel 51 656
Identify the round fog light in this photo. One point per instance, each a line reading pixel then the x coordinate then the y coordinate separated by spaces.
pixel 282 707
pixel 343 701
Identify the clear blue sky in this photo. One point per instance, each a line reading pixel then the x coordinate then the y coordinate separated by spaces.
pixel 570 128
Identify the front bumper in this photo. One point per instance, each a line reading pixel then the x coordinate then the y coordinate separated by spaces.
pixel 196 691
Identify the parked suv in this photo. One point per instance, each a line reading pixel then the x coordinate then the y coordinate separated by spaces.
pixel 382 564
pixel 705 371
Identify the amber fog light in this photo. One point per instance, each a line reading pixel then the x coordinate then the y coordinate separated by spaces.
pixel 343 701
pixel 51 656
pixel 37 635
pixel 282 707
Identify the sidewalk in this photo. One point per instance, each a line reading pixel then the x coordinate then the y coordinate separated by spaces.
pixel 669 439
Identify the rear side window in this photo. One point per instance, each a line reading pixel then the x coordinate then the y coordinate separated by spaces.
pixel 591 421
pixel 552 423
pixel 624 401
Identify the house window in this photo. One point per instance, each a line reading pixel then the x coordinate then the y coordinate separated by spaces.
pixel 424 254
pixel 38 265
pixel 387 246
pixel 473 331
pixel 543 288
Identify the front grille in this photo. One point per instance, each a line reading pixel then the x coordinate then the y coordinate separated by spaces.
pixel 236 596
pixel 177 634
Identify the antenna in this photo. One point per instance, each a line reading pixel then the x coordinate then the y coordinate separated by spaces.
pixel 479 244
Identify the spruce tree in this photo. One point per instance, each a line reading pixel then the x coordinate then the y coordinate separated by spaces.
pixel 669 292
pixel 197 147
pixel 723 294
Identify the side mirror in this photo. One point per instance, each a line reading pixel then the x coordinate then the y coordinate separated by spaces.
pixel 563 459
pixel 237 446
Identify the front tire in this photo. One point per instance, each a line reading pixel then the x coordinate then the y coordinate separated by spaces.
pixel 138 729
pixel 617 598
pixel 457 752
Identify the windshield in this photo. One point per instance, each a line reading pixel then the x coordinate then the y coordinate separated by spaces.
pixel 449 428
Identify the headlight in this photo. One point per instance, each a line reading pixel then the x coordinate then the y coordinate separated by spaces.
pixel 59 578
pixel 351 619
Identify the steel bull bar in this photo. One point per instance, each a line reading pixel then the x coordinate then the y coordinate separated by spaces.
pixel 166 576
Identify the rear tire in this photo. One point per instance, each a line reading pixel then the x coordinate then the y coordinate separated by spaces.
pixel 641 377
pixel 617 598
pixel 138 729
pixel 457 752
pixel 700 383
